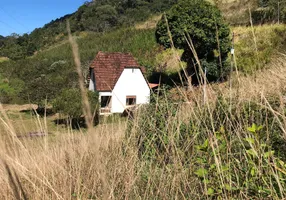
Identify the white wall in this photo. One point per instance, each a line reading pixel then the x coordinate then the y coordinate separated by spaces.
pixel 92 81
pixel 130 83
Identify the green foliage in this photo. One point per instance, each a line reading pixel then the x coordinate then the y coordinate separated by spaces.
pixel 167 61
pixel 226 150
pixel 98 16
pixel 270 11
pixel 53 70
pixel 9 90
pixel 69 102
pixel 254 54
pixel 203 23
pixel 154 137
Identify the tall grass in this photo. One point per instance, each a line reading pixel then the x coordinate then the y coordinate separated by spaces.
pixel 170 150
pixel 215 144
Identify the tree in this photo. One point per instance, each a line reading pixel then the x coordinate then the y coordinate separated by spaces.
pixel 202 23
pixel 69 102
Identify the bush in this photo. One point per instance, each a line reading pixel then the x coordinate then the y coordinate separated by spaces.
pixel 69 102
pixel 10 90
pixel 253 55
pixel 203 23
pixel 226 150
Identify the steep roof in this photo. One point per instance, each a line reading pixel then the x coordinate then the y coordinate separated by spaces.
pixel 108 68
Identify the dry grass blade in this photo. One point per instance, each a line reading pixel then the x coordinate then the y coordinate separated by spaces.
pixel 15 184
pixel 85 102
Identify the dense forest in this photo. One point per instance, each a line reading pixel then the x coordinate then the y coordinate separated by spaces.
pixel 96 16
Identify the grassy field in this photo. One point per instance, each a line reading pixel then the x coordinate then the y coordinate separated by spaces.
pixel 226 141
pixel 216 141
pixel 220 156
pixel 26 121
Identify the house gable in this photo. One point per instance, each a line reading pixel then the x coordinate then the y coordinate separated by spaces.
pixel 131 83
pixel 107 68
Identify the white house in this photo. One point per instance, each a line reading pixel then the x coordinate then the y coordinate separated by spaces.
pixel 120 82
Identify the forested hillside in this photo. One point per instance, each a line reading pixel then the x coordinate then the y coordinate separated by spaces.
pixel 47 73
pixel 96 16
pixel 102 16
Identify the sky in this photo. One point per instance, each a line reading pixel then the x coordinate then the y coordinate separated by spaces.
pixel 23 16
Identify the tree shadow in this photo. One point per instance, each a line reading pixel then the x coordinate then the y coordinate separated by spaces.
pixel 75 123
pixel 192 72
pixel 172 80
pixel 42 111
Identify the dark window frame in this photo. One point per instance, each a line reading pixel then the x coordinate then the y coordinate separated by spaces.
pixel 131 100
pixel 105 101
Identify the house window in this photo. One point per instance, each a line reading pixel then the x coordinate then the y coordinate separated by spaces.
pixel 130 100
pixel 105 101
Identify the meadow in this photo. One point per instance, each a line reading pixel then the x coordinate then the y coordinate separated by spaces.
pixel 223 140
pixel 214 141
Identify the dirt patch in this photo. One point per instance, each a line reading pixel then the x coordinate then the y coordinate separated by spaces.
pixel 149 24
pixel 3 59
pixel 16 107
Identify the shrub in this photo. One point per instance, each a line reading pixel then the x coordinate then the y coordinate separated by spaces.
pixel 254 54
pixel 228 151
pixel 69 102
pixel 203 23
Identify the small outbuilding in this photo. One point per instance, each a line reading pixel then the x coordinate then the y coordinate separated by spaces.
pixel 120 81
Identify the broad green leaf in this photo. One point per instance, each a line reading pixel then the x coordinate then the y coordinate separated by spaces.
pixel 263 145
pixel 259 128
pixel 252 171
pixel 212 166
pixel 206 181
pixel 204 146
pixel 210 191
pixel 252 129
pixel 251 152
pixel 206 143
pixel 268 154
pixel 224 168
pixel 227 187
pixel 249 140
pixel 201 172
pixel 200 161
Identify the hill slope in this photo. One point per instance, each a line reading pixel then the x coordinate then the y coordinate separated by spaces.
pixel 46 73
pixel 96 16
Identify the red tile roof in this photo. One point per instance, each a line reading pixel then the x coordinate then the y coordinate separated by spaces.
pixel 153 85
pixel 108 68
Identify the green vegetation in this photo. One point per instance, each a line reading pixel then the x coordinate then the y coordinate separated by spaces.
pixel 231 149
pixel 223 148
pixel 256 53
pixel 168 61
pixel 219 141
pixel 200 24
pixel 69 103
pixel 44 75
pixel 270 11
pixel 97 16
pixel 9 90
pixel 53 70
